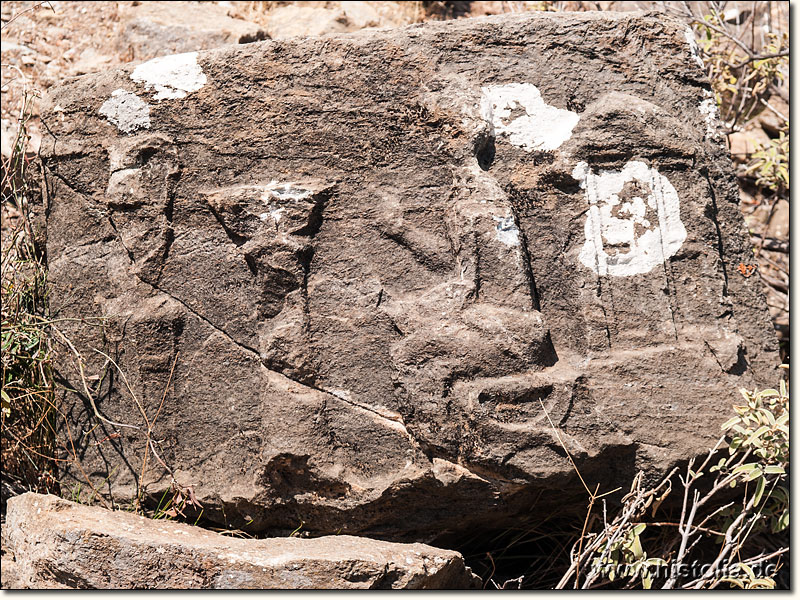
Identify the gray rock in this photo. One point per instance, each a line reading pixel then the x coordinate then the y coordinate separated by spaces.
pixel 61 544
pixel 9 575
pixel 322 18
pixel 384 262
pixel 153 30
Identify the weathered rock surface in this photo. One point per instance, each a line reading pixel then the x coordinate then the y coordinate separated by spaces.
pixel 61 544
pixel 302 19
pixel 9 575
pixel 383 262
pixel 157 29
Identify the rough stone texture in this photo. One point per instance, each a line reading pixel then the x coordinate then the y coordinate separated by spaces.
pixel 298 19
pixel 157 29
pixel 9 574
pixel 384 259
pixel 61 544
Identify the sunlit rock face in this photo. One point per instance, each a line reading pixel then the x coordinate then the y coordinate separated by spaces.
pixel 389 280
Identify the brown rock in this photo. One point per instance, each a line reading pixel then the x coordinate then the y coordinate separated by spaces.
pixel 301 19
pixel 744 143
pixel 384 262
pixel 778 226
pixel 773 119
pixel 159 28
pixel 9 574
pixel 61 544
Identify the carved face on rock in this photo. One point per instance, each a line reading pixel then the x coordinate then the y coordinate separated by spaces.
pixel 356 267
pixel 634 220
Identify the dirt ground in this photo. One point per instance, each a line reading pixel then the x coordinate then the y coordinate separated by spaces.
pixel 46 42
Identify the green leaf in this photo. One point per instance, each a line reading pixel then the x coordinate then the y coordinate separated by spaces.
pixel 774 470
pixel 636 548
pixel 780 494
pixel 729 423
pixel 769 416
pixel 763 583
pixel 762 482
pixel 754 474
pixel 782 522
pixel 746 468
pixel 746 569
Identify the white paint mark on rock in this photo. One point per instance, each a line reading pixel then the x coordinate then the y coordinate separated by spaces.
pixel 127 111
pixel 634 222
pixel 693 47
pixel 274 214
pixel 172 76
pixel 507 231
pixel 284 191
pixel 518 111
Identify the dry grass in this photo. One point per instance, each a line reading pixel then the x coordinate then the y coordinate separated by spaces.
pixel 28 412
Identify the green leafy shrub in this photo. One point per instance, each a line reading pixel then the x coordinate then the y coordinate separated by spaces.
pixel 740 77
pixel 730 500
pixel 770 164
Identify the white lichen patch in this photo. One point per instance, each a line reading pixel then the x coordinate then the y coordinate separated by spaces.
pixel 172 76
pixel 518 111
pixel 633 224
pixel 507 231
pixel 127 111
pixel 708 108
pixel 694 49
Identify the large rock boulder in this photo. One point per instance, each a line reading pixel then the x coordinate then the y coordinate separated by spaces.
pixel 60 544
pixel 388 266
